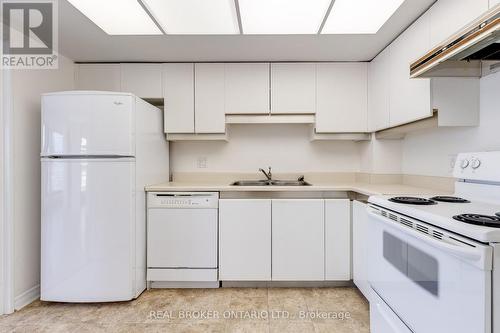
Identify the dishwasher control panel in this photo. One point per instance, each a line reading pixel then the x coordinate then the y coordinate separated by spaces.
pixel 183 200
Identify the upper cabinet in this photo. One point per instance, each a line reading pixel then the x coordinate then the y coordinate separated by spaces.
pixel 178 94
pixel 410 99
pixel 293 88
pixel 247 88
pixel 143 80
pixel 378 91
pixel 105 77
pixel 341 97
pixel 449 16
pixel 209 97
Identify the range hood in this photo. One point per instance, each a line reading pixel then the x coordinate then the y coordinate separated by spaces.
pixel 472 52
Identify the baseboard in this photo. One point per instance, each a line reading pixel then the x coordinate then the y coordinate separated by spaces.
pixel 27 297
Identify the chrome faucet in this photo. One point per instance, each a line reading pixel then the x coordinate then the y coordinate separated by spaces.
pixel 268 174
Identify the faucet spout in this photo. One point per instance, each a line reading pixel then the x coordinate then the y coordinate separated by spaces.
pixel 268 174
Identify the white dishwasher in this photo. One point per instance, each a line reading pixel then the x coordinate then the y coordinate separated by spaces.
pixel 182 239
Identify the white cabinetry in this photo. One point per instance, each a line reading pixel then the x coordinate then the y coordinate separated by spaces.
pixel 337 239
pixel 293 88
pixel 298 240
pixel 209 98
pixel 178 94
pixel 143 80
pixel 449 16
pixel 378 91
pixel 360 247
pixel 247 88
pixel 105 77
pixel 410 99
pixel 245 239
pixel 341 97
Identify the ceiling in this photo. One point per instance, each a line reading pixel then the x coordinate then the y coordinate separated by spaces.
pixel 82 41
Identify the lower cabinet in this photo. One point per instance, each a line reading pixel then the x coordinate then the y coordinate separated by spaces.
pixel 298 241
pixel 284 239
pixel 245 239
pixel 337 239
pixel 360 239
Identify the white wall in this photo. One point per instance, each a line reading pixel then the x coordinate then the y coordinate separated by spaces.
pixel 284 147
pixel 381 156
pixel 27 85
pixel 431 152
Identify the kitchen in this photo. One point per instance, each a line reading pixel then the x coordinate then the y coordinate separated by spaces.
pixel 251 166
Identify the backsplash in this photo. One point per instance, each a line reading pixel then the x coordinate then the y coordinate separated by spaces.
pixel 286 148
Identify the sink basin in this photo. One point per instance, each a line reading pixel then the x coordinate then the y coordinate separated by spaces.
pixel 270 183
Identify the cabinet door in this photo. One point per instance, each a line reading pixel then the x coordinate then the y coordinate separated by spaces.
pixel 247 88
pixel 337 239
pixel 360 241
pixel 143 80
pixel 449 16
pixel 178 94
pixel 341 97
pixel 293 88
pixel 105 77
pixel 410 99
pixel 209 98
pixel 298 243
pixel 378 91
pixel 244 240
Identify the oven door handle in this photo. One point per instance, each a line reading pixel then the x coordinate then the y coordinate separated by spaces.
pixel 474 255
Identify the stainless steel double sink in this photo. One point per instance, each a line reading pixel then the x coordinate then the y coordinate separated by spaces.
pixel 271 183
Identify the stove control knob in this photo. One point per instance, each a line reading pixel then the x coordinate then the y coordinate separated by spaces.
pixel 475 163
pixel 464 163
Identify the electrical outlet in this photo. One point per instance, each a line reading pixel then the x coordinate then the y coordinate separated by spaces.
pixel 201 162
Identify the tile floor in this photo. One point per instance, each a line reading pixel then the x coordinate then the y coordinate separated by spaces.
pixel 335 310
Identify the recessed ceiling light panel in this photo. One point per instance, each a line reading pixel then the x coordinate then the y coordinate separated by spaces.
pixel 118 17
pixel 195 17
pixel 282 16
pixel 359 16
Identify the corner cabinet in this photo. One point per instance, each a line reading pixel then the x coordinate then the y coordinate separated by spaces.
pixel 293 88
pixel 360 247
pixel 284 240
pixel 341 97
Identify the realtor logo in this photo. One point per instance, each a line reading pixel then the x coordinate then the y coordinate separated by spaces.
pixel 29 34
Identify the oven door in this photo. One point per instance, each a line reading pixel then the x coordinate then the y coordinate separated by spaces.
pixel 435 281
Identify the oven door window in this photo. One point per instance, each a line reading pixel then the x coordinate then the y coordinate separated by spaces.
pixel 418 266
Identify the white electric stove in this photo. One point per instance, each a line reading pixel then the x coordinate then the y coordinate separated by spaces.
pixel 435 261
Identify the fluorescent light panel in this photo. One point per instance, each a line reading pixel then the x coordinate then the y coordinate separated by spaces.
pixel 195 17
pixel 282 16
pixel 359 16
pixel 118 17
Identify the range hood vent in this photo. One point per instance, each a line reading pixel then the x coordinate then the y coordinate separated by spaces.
pixel 472 52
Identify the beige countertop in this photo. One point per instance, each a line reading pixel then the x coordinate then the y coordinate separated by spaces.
pixel 358 187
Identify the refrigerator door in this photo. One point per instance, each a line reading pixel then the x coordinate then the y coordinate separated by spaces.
pixel 88 230
pixel 88 124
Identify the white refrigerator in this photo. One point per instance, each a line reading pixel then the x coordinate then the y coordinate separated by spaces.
pixel 99 150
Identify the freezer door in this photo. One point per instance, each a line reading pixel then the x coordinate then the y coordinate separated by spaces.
pixel 88 230
pixel 88 124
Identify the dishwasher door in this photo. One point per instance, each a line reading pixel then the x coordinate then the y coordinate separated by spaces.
pixel 182 230
pixel 182 238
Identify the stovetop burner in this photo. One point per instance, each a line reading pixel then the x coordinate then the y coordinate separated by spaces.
pixel 413 201
pixel 446 198
pixel 477 219
pixel 497 214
